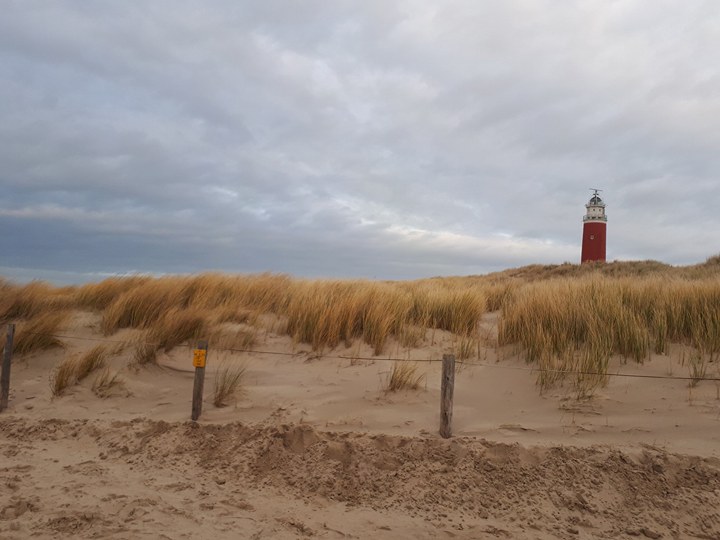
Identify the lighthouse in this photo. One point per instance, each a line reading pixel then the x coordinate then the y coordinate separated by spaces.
pixel 594 228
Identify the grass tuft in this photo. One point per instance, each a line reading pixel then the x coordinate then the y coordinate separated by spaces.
pixel 232 314
pixel 144 354
pixel 71 371
pixel 176 327
pixel 25 302
pixel 90 361
pixel 143 305
pixel 63 376
pixel 240 340
pixel 106 383
pixel 98 296
pixel 411 336
pixel 697 365
pixel 404 376
pixel 228 384
pixel 38 334
pixel 466 347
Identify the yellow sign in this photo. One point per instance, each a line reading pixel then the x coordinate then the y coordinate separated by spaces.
pixel 199 357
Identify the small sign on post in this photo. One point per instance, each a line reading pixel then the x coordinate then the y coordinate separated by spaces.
pixel 199 361
pixel 199 357
pixel 5 374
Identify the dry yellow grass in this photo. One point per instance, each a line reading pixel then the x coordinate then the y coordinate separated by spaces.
pixel 73 370
pixel 63 376
pixel 176 326
pixel 235 339
pixel 145 353
pixel 228 383
pixel 326 313
pixel 233 314
pixel 404 376
pixel 39 333
pixel 90 361
pixel 31 300
pixel 321 313
pixel 100 295
pixel 466 347
pixel 565 318
pixel 143 304
pixel 412 335
pixel 576 324
pixel 107 383
pixel 697 367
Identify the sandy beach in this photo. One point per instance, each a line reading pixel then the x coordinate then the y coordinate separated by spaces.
pixel 316 447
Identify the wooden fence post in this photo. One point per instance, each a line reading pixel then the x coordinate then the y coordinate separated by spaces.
pixel 5 374
pixel 199 360
pixel 447 389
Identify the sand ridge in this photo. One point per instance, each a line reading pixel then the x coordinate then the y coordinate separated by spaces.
pixel 141 478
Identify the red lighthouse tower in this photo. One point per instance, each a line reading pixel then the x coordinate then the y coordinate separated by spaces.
pixel 594 228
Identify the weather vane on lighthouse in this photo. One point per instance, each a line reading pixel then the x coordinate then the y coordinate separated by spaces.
pixel 594 229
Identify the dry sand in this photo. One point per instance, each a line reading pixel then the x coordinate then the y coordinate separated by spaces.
pixel 316 448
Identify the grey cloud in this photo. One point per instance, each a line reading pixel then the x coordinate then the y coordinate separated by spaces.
pixel 336 138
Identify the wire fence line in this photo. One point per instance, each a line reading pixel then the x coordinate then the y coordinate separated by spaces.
pixel 531 369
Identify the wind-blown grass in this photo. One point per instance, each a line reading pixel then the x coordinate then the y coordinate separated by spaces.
pixel 28 301
pixel 64 375
pixel 228 383
pixel 39 333
pixel 100 295
pixel 90 361
pixel 320 313
pixel 563 318
pixel 71 370
pixel 106 383
pixel 240 339
pixel 404 376
pixel 144 354
pixel 573 324
pixel 176 326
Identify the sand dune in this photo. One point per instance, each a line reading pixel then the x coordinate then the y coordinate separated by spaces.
pixel 316 448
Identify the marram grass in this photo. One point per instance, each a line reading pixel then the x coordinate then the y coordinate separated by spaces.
pixel 564 318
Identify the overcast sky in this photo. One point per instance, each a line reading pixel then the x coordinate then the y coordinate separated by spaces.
pixel 353 138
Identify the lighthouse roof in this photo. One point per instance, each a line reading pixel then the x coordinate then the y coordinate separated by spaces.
pixel 595 200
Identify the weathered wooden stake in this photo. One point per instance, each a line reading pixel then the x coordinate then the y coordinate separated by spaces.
pixel 5 374
pixel 199 359
pixel 447 390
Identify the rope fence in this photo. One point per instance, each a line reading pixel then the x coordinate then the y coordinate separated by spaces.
pixel 200 354
pixel 391 359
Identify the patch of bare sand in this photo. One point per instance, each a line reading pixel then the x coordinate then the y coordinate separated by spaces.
pixel 148 479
